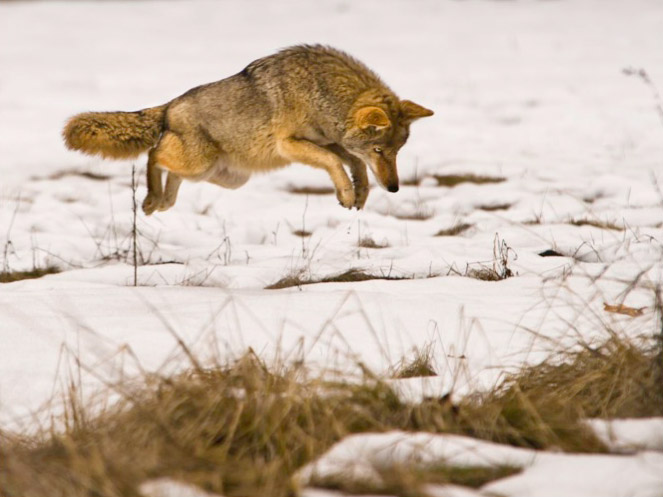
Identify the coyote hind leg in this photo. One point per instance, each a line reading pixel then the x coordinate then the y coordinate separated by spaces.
pixel 154 186
pixel 182 157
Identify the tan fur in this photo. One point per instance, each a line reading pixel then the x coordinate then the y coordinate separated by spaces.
pixel 114 135
pixel 310 104
pixel 371 116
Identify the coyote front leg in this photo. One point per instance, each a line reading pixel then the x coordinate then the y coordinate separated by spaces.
pixel 306 152
pixel 358 172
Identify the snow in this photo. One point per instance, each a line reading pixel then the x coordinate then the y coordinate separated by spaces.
pixel 530 91
pixel 630 435
pixel 586 475
pixel 167 487
pixel 544 473
pixel 360 456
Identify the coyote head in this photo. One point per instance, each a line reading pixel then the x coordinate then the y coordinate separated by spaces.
pixel 375 134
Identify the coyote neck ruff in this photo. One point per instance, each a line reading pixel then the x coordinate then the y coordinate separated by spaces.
pixel 310 104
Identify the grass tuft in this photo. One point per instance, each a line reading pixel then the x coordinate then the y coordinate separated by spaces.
pixel 408 481
pixel 543 406
pixel 354 274
pixel 606 225
pixel 419 366
pixel 83 174
pixel 495 207
pixel 451 180
pixel 455 230
pixel 311 190
pixel 368 242
pixel 245 429
pixel 11 276
pixel 486 273
pixel 413 180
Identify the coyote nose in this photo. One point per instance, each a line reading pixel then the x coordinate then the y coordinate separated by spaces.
pixel 392 188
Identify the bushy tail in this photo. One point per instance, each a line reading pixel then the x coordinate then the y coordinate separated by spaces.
pixel 116 135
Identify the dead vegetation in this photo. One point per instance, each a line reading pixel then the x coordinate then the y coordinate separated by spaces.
pixel 10 276
pixel 311 190
pixel 81 174
pixel 354 274
pixel 414 180
pixel 451 180
pixel 497 270
pixel 420 365
pixel 606 225
pixel 485 273
pixel 494 207
pixel 406 481
pixel 369 242
pixel 455 230
pixel 245 429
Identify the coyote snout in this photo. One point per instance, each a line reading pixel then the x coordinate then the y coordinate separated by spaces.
pixel 310 104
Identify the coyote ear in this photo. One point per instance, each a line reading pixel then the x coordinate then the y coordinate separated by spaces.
pixel 371 116
pixel 411 111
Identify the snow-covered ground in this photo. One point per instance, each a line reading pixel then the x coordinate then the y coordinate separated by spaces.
pixel 532 91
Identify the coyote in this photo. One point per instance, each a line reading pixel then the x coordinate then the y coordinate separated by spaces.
pixel 311 104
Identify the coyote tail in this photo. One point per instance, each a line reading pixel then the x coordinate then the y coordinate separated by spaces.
pixel 116 135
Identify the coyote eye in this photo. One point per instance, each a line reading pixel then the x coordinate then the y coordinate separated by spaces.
pixel 377 150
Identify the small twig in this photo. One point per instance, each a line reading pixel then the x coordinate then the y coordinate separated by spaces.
pixel 134 231
pixel 8 242
pixel 304 227
pixel 642 74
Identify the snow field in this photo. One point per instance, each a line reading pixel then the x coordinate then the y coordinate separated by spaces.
pixel 532 92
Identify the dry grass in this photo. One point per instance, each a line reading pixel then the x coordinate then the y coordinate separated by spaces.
pixel 82 174
pixel 455 230
pixel 542 406
pixel 10 276
pixel 499 270
pixel 413 180
pixel 451 180
pixel 311 190
pixel 418 366
pixel 606 225
pixel 485 273
pixel 407 481
pixel 354 274
pixel 369 242
pixel 244 430
pixel 494 207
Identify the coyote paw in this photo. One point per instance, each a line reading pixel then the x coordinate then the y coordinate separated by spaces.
pixel 166 203
pixel 346 197
pixel 151 203
pixel 361 194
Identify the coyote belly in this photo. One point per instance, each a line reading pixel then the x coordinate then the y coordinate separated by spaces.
pixel 310 104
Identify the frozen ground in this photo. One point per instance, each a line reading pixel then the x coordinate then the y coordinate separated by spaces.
pixel 531 91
